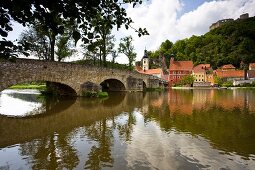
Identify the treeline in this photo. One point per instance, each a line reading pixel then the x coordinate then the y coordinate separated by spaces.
pixel 231 43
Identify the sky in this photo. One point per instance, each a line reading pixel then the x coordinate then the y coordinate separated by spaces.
pixel 173 20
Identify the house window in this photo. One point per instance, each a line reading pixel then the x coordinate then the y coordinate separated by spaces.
pixel 144 61
pixel 178 77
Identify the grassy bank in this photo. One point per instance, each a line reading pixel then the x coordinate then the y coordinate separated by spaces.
pixel 29 86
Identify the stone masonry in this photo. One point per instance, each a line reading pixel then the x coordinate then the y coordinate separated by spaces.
pixel 71 75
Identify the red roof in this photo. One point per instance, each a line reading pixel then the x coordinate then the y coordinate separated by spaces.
pixel 201 68
pixel 229 73
pixel 228 66
pixel 181 65
pixel 151 71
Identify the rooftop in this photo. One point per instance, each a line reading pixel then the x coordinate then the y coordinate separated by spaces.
pixel 181 65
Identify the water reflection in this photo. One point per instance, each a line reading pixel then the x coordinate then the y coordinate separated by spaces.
pixel 179 129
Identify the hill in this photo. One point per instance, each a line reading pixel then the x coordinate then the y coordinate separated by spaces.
pixel 232 43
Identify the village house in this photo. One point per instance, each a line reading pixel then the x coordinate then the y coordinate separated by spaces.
pixel 203 75
pixel 179 69
pixel 252 66
pixel 230 75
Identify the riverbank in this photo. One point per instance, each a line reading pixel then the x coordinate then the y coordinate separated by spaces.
pixel 29 86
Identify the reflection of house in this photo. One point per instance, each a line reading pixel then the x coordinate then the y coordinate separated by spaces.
pixel 180 102
pixel 179 69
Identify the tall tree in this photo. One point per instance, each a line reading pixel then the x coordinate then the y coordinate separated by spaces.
pixel 53 14
pixel 127 48
pixel 40 43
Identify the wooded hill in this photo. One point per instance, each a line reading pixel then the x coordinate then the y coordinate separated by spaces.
pixel 231 43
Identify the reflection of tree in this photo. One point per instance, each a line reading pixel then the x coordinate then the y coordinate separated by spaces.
pixel 126 129
pixel 51 152
pixel 102 131
pixel 24 96
pixel 100 155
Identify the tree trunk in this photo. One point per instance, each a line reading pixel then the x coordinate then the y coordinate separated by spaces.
pixel 52 45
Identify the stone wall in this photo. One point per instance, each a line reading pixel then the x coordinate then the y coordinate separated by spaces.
pixel 70 74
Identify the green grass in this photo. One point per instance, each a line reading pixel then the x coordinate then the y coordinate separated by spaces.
pixel 95 94
pixel 29 86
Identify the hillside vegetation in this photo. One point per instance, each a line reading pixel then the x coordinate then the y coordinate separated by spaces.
pixel 232 43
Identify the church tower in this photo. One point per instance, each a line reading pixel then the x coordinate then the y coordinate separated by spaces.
pixel 145 61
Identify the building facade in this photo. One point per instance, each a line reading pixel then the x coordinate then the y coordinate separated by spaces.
pixel 179 69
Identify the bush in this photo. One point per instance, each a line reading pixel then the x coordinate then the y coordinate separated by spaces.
pixel 94 94
pixel 227 84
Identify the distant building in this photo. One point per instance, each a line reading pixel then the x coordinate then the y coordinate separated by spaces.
pixel 199 72
pixel 230 74
pixel 252 66
pixel 251 74
pixel 179 69
pixel 223 21
pixel 228 67
pixel 145 61
pixel 220 22
pixel 244 16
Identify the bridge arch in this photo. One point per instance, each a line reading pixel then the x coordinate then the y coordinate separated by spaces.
pixel 112 84
pixel 62 88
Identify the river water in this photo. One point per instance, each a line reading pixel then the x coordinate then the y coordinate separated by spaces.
pixel 177 129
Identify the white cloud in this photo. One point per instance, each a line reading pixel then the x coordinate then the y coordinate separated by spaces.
pixel 160 19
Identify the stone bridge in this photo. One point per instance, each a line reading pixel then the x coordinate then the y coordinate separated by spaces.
pixel 74 79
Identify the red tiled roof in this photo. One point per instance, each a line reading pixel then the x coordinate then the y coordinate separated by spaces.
pixel 228 66
pixel 181 65
pixel 201 68
pixel 151 71
pixel 251 73
pixel 229 73
pixel 252 65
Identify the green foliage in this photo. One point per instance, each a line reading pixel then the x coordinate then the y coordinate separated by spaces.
pixel 127 48
pixel 231 43
pixel 109 64
pixel 94 94
pixel 227 84
pixel 218 80
pixel 186 80
pixel 54 14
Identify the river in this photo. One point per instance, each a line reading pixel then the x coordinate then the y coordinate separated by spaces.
pixel 176 129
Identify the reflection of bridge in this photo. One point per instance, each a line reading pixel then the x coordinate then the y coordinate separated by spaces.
pixel 65 115
pixel 72 78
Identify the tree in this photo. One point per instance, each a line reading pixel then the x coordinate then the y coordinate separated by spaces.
pixel 53 15
pixel 40 45
pixel 127 48
pixel 114 55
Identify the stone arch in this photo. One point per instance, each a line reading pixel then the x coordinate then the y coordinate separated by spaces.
pixel 112 85
pixel 62 88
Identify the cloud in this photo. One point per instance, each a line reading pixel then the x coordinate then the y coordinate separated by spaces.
pixel 159 17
